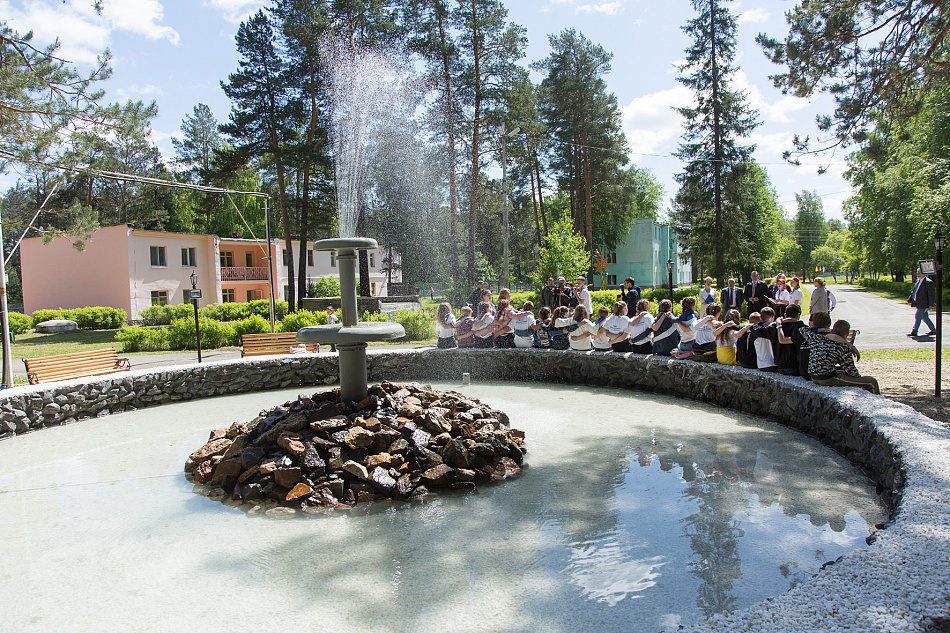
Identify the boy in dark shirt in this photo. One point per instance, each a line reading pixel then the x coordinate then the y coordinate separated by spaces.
pixel 764 336
pixel 745 348
pixel 786 352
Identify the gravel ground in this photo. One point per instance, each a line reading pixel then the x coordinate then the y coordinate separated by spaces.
pixel 912 382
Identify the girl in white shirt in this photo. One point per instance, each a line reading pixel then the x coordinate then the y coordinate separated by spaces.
pixel 640 329
pixel 522 322
pixel 580 338
pixel 601 340
pixel 615 327
pixel 484 326
pixel 444 322
pixel 795 294
pixel 704 348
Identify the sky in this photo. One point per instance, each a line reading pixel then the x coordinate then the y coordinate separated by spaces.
pixel 177 52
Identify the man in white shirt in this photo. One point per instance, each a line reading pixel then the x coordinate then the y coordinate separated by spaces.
pixel 582 294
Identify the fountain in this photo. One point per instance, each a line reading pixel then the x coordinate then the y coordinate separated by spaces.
pixel 350 336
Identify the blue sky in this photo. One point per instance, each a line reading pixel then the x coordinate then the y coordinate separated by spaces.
pixel 177 52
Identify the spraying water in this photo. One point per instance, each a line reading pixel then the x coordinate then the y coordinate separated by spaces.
pixel 367 92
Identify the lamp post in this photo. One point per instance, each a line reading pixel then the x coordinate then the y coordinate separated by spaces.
pixel 195 293
pixel 669 269
pixel 505 135
pixel 938 244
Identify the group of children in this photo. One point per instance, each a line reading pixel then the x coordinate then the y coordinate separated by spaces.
pixel 786 345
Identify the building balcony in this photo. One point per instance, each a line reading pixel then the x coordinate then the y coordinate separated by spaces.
pixel 238 273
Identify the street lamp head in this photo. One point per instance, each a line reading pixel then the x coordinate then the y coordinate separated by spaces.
pixel 669 265
pixel 194 279
pixel 939 240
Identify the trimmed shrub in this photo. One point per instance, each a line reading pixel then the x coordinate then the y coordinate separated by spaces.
pixel 214 334
pixel 324 287
pixel 301 318
pixel 373 316
pixel 142 339
pixel 419 325
pixel 92 318
pixel 227 311
pixel 262 307
pixel 19 323
pixel 254 324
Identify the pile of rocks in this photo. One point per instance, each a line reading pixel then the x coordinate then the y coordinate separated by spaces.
pixel 316 452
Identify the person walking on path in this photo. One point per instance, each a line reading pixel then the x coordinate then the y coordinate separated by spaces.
pixel 822 299
pixel 922 297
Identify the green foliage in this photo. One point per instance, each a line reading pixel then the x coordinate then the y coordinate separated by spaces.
pixel 94 318
pixel 143 339
pixel 419 325
pixel 19 323
pixel 214 334
pixel 301 318
pixel 254 324
pixel 565 255
pixel 371 317
pixel 164 315
pixel 232 311
pixel 14 284
pixel 324 287
pixel 898 290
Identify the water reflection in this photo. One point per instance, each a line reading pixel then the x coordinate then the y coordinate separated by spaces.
pixel 641 521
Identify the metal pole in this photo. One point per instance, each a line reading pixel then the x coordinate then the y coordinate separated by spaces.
pixel 194 302
pixel 270 263
pixel 939 311
pixel 5 329
pixel 669 267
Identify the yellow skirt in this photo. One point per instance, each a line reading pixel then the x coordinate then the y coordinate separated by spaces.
pixel 726 355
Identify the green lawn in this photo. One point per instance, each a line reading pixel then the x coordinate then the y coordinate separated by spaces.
pixel 896 296
pixel 928 353
pixel 32 345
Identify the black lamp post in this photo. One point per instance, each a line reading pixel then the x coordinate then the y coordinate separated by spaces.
pixel 195 293
pixel 669 269
pixel 938 244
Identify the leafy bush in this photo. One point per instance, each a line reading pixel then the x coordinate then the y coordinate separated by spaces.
pixel 163 315
pixel 19 323
pixel 142 339
pixel 262 307
pixel 254 324
pixel 301 318
pixel 324 287
pixel 214 334
pixel 372 317
pixel 419 325
pixel 227 311
pixel 93 318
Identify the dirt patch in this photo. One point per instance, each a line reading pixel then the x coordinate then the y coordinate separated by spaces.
pixel 912 382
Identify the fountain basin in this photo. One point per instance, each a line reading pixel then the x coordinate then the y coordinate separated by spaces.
pixel 362 332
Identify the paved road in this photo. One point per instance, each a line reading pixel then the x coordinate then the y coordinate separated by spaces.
pixel 883 322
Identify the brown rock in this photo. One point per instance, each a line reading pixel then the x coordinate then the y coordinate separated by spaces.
pixel 237 446
pixel 505 468
pixel 404 486
pixel 323 498
pixel 247 474
pixel 413 401
pixel 202 473
pixel 356 469
pixel 287 477
pixel 358 437
pixel 280 513
pixel 268 467
pixel 349 497
pixel 365 497
pixel 225 468
pixel 407 410
pixel 291 443
pixel 298 491
pixel 382 459
pixel 212 448
pixel 372 424
pixel 382 479
pixel 440 475
pixel 464 474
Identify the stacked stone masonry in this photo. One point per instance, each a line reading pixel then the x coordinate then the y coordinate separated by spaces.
pixel 895 584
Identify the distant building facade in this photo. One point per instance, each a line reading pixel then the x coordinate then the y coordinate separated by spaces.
pixel 133 269
pixel 643 255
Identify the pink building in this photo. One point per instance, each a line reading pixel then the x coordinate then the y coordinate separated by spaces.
pixel 133 269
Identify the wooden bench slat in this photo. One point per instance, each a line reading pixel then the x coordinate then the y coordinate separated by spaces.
pixel 268 344
pixel 74 365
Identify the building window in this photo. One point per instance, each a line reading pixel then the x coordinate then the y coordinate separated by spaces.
pixel 227 259
pixel 310 259
pixel 610 280
pixel 253 295
pixel 188 257
pixel 227 295
pixel 611 258
pixel 332 259
pixel 372 262
pixel 249 260
pixel 157 256
pixel 160 297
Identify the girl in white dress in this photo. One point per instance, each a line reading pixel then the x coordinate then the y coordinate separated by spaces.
pixel 444 326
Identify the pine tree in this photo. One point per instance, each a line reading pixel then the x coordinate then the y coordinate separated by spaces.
pixel 195 152
pixel 262 117
pixel 714 125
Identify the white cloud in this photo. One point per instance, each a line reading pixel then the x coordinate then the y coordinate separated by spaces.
pixel 237 10
pixel 82 33
pixel 753 16
pixel 144 91
pixel 651 124
pixel 777 112
pixel 610 7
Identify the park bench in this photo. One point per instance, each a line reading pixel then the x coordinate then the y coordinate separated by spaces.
pixel 851 336
pixel 268 344
pixel 75 365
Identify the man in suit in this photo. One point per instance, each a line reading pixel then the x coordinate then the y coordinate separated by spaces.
pixel 922 297
pixel 755 294
pixel 731 297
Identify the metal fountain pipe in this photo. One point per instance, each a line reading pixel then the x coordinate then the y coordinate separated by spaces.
pixel 346 260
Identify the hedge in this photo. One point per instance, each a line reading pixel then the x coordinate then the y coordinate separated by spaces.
pixel 164 315
pixel 19 323
pixel 94 318
pixel 902 288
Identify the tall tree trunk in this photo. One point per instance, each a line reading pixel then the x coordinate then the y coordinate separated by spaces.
pixel 476 143
pixel 537 171
pixel 717 145
pixel 284 219
pixel 304 220
pixel 450 125
pixel 534 203
pixel 588 199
